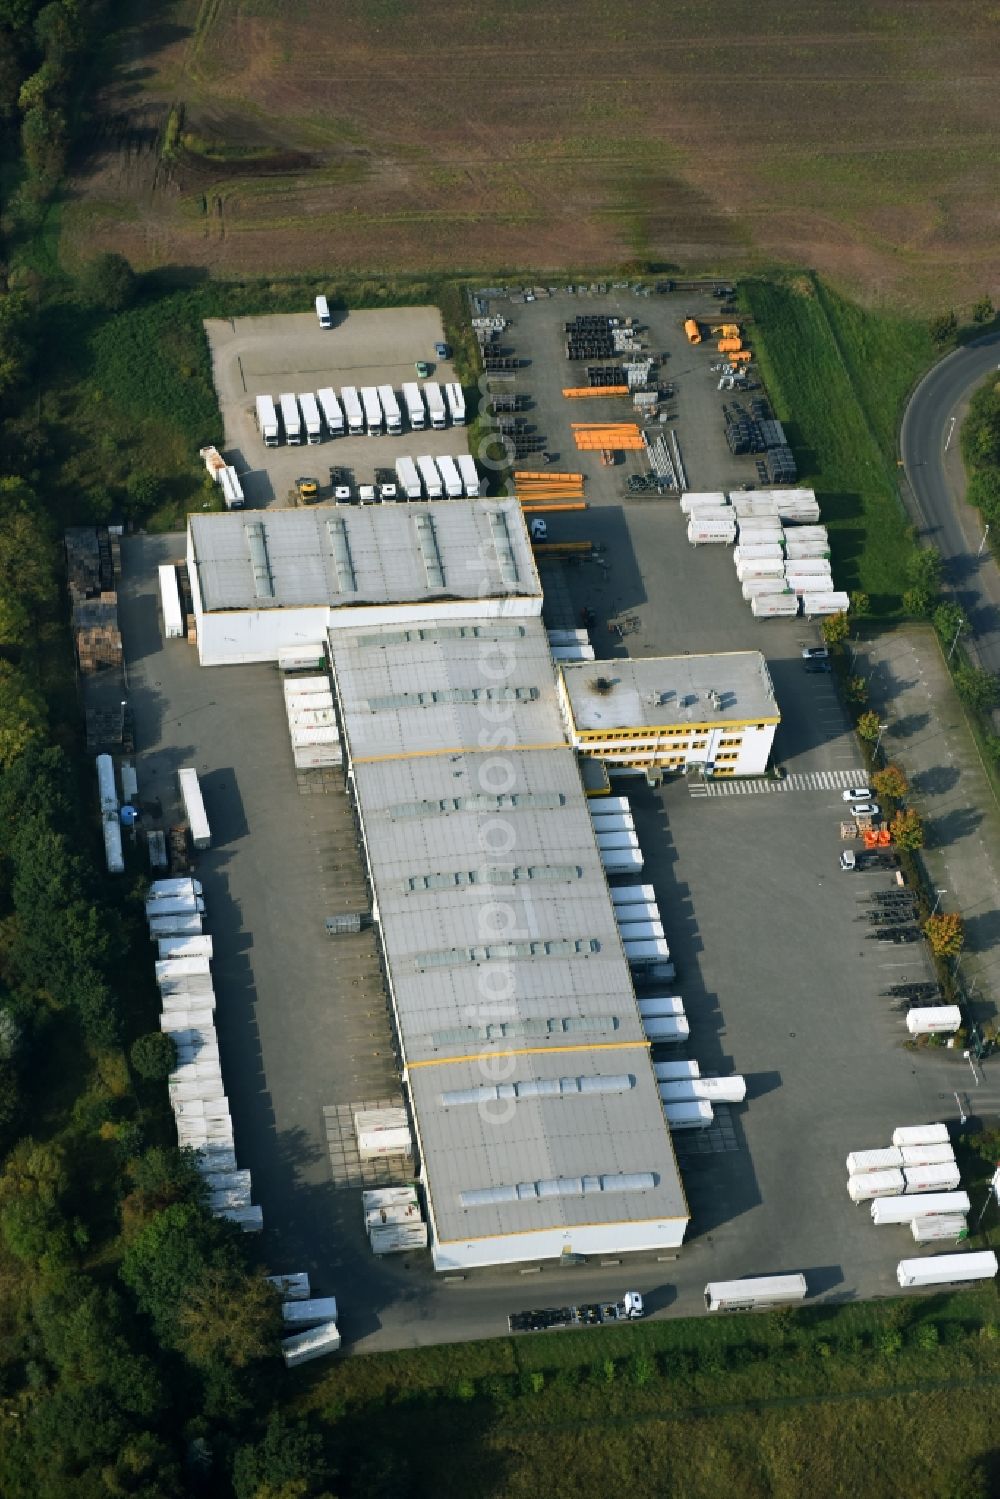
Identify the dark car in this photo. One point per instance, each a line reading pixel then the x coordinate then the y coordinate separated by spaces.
pixel 816 666
pixel 442 351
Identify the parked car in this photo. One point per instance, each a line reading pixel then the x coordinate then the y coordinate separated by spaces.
pixel 814 667
pixel 848 859
pixel 866 809
pixel 814 653
pixel 857 793
pixel 422 368
pixel 443 351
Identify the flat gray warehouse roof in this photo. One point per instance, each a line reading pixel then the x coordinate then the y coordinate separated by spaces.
pixel 436 689
pixel 346 556
pixel 659 690
pixel 503 957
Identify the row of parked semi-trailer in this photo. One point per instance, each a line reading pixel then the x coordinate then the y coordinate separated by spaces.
pixel 374 410
pixel 438 478
pixel 174 911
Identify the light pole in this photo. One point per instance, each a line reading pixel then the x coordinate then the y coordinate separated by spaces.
pixel 961 627
pixel 881 730
pixel 938 901
pixel 983 542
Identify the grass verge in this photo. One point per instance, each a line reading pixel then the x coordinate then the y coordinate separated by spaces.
pixel 838 377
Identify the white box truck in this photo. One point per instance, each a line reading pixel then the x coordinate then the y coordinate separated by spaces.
pixel 470 476
pixel 456 403
pixel 267 421
pixel 332 414
pixel 323 312
pixel 416 412
pixel 452 479
pixel 170 602
pixel 947 1269
pixel 944 1177
pixel 435 405
pixel 871 1184
pixel 173 905
pixel 860 1161
pixel 940 1226
pixel 194 807
pixel 758 1291
pixel 291 418
pixel 672 1072
pixel 709 1089
pixel 311 417
pixel 408 478
pixel 432 479
pixel 391 411
pixel 352 411
pixel 180 924
pixel 632 895
pixel 374 420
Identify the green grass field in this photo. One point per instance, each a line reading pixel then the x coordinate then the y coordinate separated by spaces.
pixel 839 376
pixel 785 1405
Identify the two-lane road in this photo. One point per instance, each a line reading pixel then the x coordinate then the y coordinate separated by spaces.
pixel 930 447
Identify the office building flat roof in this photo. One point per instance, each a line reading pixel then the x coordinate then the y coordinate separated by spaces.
pixel 349 556
pixel 734 687
pixel 439 688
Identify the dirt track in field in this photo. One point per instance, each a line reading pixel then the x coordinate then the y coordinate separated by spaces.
pixel 862 139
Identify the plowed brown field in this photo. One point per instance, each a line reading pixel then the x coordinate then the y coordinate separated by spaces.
pixel 859 138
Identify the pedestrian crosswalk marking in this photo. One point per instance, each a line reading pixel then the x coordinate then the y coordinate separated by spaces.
pixel 808 780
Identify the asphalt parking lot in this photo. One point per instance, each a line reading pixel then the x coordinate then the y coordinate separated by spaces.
pixel 290 351
pixel 537 339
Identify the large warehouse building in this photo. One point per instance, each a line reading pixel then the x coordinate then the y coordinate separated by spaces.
pixel 533 1097
pixel 540 1127
pixel 263 581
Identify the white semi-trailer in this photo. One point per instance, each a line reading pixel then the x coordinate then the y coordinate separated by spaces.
pixel 291 418
pixel 170 602
pixel 332 414
pixel 448 470
pixel 194 807
pixel 374 420
pixel 409 479
pixel 232 489
pixel 470 476
pixel 323 312
pixel 947 1269
pixel 416 412
pixel 758 1291
pixel 435 406
pixel 456 404
pixel 311 417
pixel 432 479
pixel 353 411
pixel 390 408
pixel 267 421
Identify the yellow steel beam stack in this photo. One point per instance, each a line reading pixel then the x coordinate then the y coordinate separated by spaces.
pixel 614 437
pixel 581 391
pixel 541 490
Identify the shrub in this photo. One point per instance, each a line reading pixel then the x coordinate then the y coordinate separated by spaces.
pixel 943 327
pixel 154 1055
pixel 982 311
pixel 889 1342
pixel 642 1369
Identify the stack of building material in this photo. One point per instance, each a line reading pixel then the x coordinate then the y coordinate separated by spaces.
pixel 197 1095
pixel 312 722
pixel 614 437
pixel 393 1220
pixel 96 634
